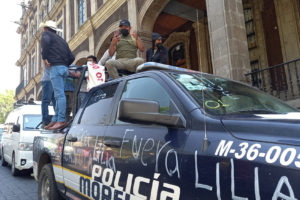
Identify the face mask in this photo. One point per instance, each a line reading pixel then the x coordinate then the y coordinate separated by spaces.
pixel 89 63
pixel 124 32
pixel 159 45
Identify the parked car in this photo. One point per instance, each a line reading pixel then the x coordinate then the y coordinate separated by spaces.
pixel 1 131
pixel 21 125
pixel 172 133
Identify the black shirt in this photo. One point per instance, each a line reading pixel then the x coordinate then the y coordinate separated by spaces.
pixel 56 50
pixel 160 56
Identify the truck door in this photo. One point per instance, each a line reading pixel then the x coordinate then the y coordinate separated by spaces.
pixel 84 140
pixel 139 160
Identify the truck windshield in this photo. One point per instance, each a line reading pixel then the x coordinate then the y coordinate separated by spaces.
pixel 31 122
pixel 224 97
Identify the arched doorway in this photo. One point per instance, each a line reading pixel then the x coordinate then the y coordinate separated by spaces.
pixel 81 61
pixel 104 41
pixel 104 46
pixel 81 58
pixel 183 25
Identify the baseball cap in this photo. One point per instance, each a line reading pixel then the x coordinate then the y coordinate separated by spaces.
pixel 124 22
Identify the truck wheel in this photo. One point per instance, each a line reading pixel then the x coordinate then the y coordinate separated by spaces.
pixel 14 170
pixel 3 162
pixel 47 189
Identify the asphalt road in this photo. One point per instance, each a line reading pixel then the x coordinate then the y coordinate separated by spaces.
pixel 22 187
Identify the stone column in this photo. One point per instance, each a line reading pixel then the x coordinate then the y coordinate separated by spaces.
pixel 38 64
pixel 229 48
pixel 132 14
pixel 68 21
pixel 38 15
pixel 146 38
pixel 76 16
pixel 93 7
pixel 92 44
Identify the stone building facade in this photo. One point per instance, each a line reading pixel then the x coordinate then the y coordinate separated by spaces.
pixel 229 38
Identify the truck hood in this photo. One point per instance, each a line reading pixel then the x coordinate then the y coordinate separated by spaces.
pixel 28 136
pixel 275 128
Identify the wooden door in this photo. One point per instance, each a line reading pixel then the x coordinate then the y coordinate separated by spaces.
pixel 273 45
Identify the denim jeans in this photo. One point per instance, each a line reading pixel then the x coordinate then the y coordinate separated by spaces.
pixel 58 75
pixel 47 97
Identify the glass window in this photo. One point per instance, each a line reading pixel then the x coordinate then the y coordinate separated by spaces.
pixel 81 12
pixel 25 75
pixel 60 26
pixel 43 15
pixel 98 108
pixel 222 97
pixel 35 27
pixel 33 66
pixel 48 6
pixel 148 89
pixel 31 122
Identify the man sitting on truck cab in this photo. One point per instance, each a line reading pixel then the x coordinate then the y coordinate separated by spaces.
pixel 126 46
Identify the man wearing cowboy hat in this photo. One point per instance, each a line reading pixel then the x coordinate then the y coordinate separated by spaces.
pixel 57 56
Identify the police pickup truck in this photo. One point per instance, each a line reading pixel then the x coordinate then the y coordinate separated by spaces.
pixel 171 133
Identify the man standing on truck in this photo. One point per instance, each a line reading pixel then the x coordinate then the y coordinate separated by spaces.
pixel 57 56
pixel 47 96
pixel 126 46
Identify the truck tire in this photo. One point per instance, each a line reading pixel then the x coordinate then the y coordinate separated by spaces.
pixel 47 189
pixel 14 170
pixel 3 162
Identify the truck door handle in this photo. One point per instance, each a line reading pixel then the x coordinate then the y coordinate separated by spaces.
pixel 112 143
pixel 71 138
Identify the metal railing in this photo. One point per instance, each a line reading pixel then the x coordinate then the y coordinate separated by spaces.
pixel 20 87
pixel 282 81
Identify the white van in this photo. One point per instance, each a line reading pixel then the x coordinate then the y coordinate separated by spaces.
pixel 20 128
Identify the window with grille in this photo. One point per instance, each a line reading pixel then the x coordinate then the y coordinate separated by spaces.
pixel 25 75
pixel 60 26
pixel 33 66
pixel 81 12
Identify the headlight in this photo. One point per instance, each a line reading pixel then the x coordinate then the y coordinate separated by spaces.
pixel 25 146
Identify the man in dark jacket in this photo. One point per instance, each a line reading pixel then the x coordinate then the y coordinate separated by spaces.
pixel 157 53
pixel 57 56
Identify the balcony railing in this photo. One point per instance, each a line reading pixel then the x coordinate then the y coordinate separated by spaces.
pixel 20 87
pixel 282 81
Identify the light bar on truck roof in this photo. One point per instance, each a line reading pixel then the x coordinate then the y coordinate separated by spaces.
pixel 158 66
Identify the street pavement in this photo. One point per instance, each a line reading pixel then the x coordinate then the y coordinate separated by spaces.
pixel 22 187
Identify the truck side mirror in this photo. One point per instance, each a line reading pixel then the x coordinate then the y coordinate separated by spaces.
pixel 146 111
pixel 16 128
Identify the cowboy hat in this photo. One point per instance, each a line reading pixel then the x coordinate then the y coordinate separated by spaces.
pixel 50 24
